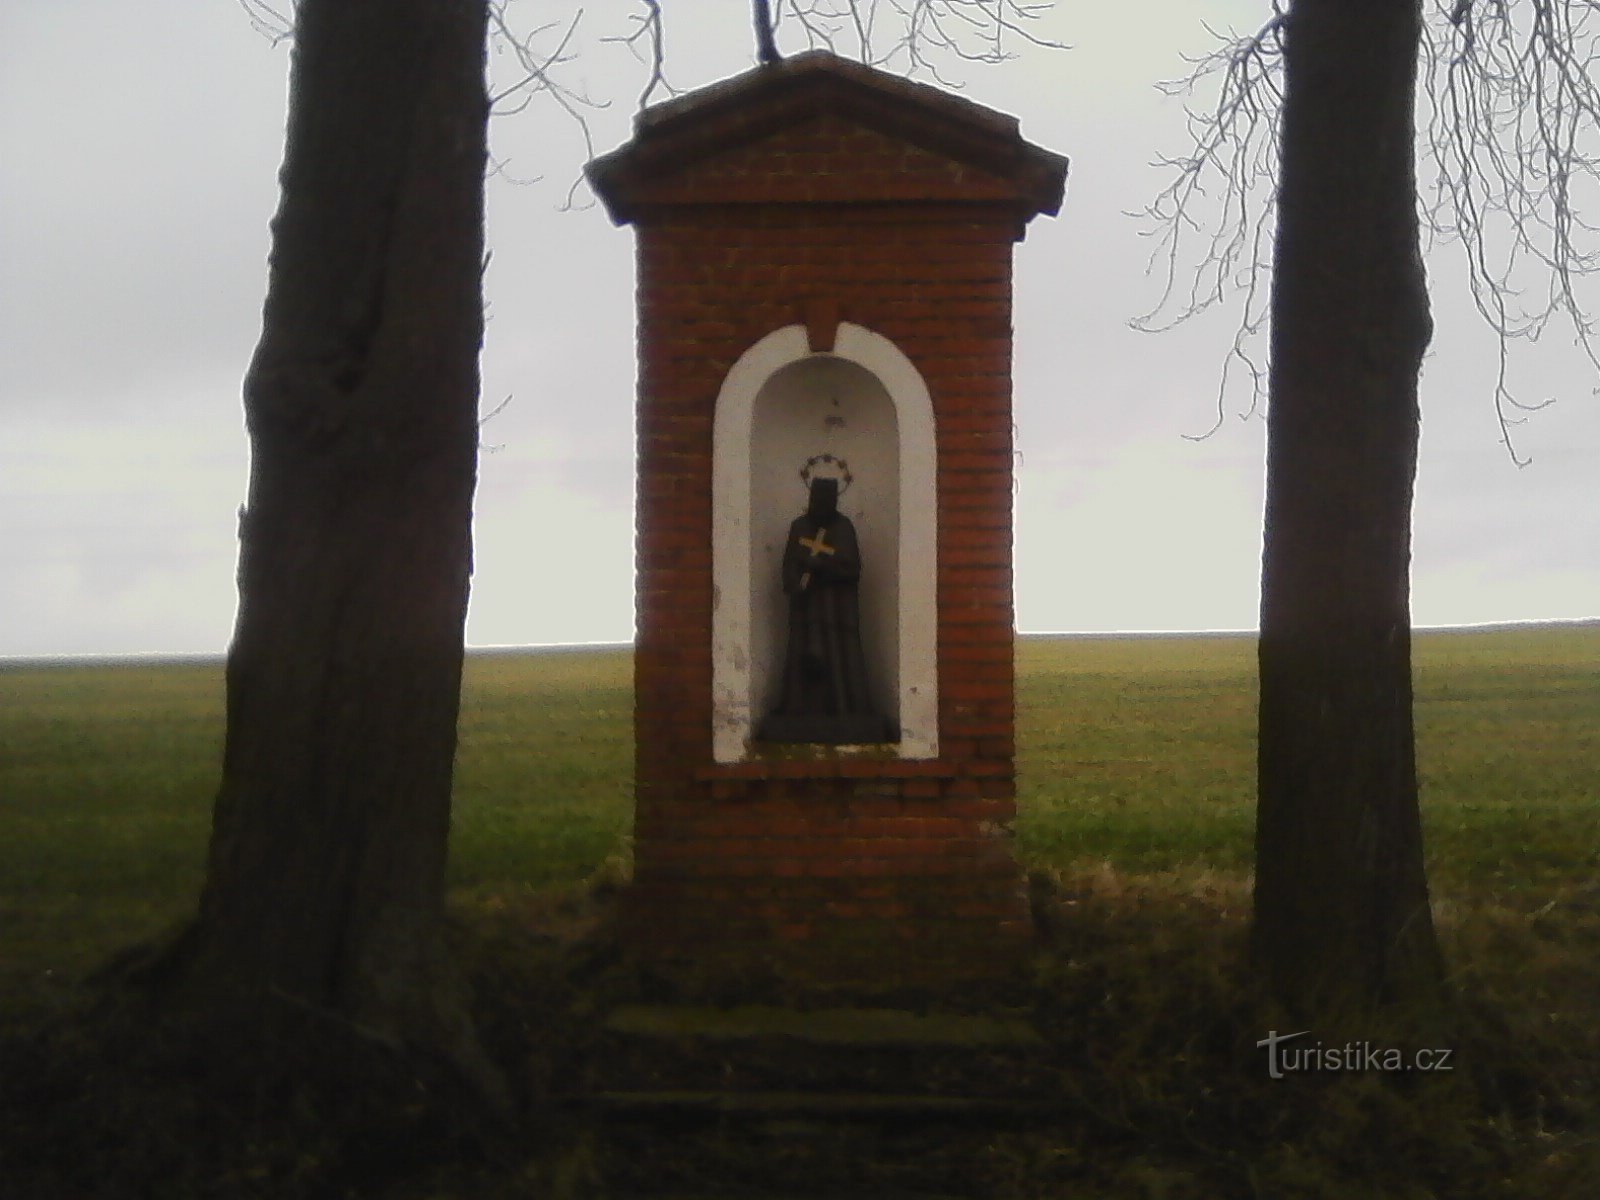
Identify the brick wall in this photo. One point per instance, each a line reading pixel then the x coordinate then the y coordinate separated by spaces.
pixel 761 852
pixel 815 192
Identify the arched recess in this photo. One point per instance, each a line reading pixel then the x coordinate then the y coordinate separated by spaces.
pixel 741 668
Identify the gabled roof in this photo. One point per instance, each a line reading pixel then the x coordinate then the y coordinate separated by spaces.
pixel 686 150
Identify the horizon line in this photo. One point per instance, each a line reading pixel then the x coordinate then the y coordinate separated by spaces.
pixel 202 656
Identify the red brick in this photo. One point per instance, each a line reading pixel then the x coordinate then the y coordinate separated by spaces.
pixel 935 278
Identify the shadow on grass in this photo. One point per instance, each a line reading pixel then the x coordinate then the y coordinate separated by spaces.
pixel 1158 1087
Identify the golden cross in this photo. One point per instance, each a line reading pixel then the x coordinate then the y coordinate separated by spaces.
pixel 816 544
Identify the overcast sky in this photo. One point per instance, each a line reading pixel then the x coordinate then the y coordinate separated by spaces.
pixel 139 145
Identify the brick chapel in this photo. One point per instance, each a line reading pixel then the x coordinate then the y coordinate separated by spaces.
pixel 824 292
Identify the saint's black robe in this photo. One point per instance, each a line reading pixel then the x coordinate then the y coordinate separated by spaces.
pixel 824 696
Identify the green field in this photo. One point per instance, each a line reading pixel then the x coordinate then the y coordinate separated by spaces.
pixel 1134 752
pixel 1141 752
pixel 1136 758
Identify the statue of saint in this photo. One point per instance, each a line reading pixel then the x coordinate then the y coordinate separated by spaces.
pixel 824 697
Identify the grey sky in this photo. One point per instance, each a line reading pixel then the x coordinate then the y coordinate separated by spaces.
pixel 139 145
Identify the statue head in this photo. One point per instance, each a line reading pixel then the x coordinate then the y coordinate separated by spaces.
pixel 824 501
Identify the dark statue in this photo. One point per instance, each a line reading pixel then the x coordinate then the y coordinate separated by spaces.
pixel 824 697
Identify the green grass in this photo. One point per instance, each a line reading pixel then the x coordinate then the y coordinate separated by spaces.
pixel 544 779
pixel 1141 752
pixel 105 779
pixel 1134 752
pixel 1508 731
pixel 107 773
pixel 1136 759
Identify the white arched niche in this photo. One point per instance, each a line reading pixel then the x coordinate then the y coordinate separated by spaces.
pixel 779 405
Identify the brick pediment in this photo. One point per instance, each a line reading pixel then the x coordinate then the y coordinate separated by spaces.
pixel 818 129
pixel 824 158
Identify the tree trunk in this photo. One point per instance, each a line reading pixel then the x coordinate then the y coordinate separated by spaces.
pixel 326 870
pixel 1341 899
pixel 766 45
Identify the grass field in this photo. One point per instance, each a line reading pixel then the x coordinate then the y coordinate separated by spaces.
pixel 1142 752
pixel 1137 761
pixel 1134 752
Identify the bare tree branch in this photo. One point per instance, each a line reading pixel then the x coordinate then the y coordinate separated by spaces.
pixel 1235 152
pixel 271 23
pixel 981 31
pixel 1513 136
pixel 649 30
pixel 766 46
pixel 539 77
